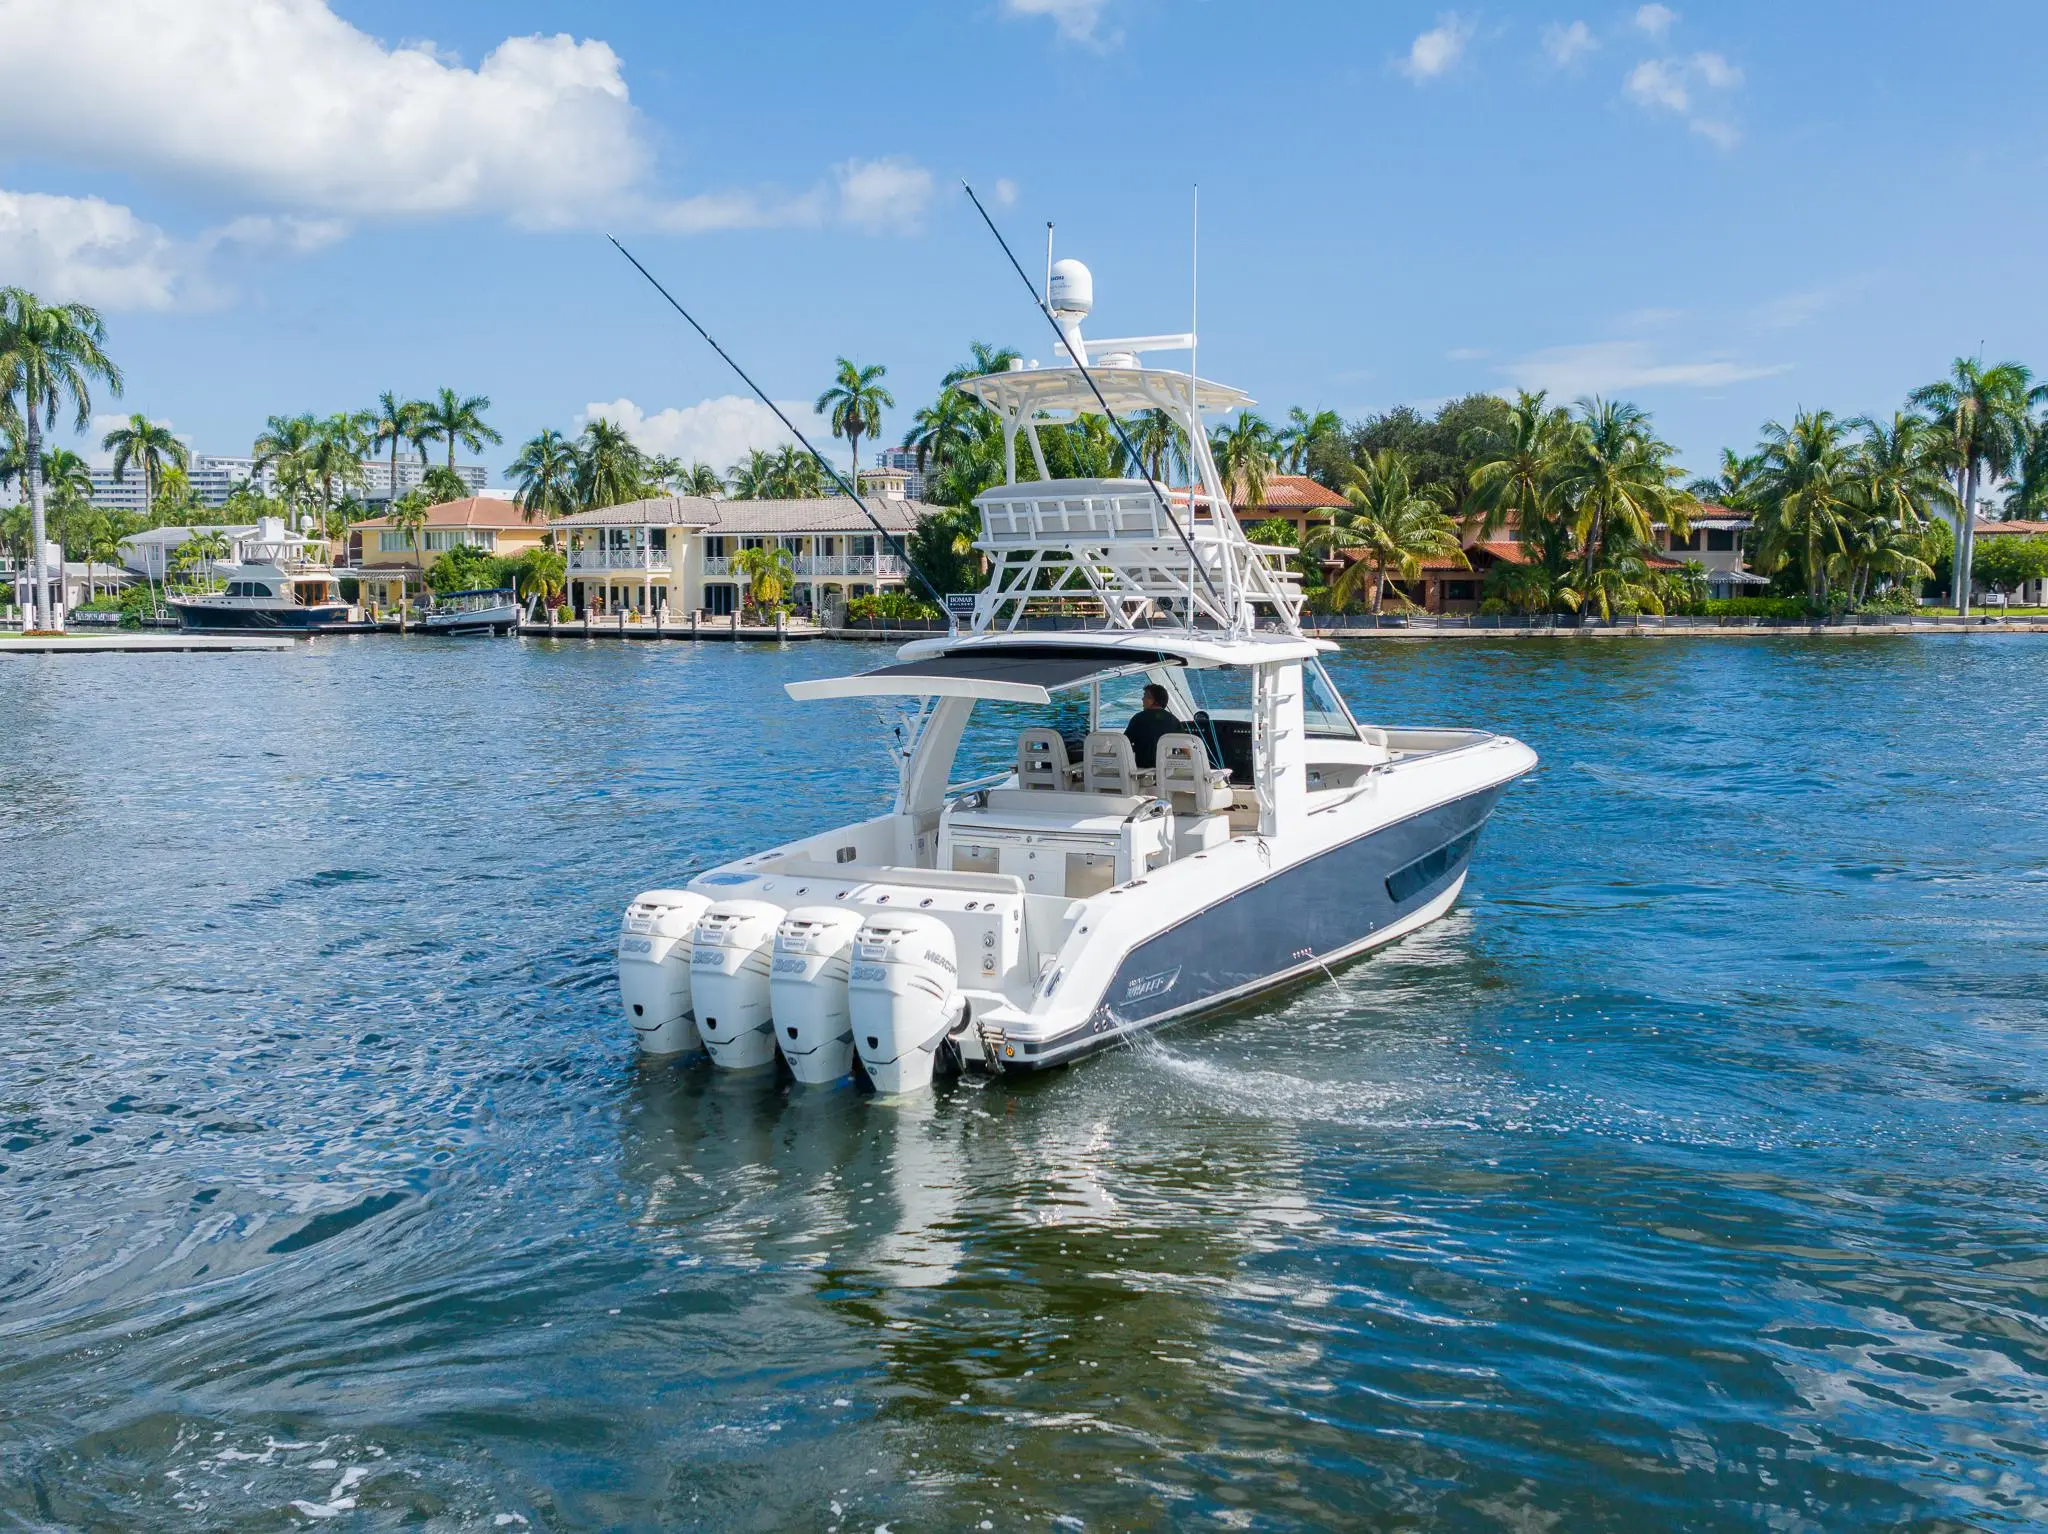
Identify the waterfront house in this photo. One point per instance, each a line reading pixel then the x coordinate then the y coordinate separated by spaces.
pixel 1302 503
pixel 386 562
pixel 1715 544
pixel 677 551
pixel 2032 593
pixel 149 553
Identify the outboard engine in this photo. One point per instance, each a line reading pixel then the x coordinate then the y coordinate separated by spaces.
pixel 654 968
pixel 729 980
pixel 813 951
pixel 903 994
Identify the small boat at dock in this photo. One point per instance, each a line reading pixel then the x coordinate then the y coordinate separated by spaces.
pixel 493 611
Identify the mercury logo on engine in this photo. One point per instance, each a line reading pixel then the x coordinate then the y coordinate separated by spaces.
pixel 941 960
pixel 1145 987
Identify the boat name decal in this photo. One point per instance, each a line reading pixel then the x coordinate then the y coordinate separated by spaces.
pixel 1145 987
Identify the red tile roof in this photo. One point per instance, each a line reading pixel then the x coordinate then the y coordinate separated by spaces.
pixel 1296 492
pixel 2014 529
pixel 470 511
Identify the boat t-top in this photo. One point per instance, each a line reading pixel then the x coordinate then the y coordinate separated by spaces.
pixel 273 578
pixel 1096 829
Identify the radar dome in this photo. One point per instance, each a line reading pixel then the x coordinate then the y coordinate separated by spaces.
pixel 1073 288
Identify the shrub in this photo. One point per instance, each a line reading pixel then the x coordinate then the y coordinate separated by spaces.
pixel 1896 599
pixel 1756 607
pixel 888 606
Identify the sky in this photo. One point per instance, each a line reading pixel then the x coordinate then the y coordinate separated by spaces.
pixel 1725 213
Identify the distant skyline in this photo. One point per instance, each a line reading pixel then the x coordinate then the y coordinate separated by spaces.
pixel 1722 213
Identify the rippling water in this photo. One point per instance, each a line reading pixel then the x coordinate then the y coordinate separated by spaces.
pixel 1690 1175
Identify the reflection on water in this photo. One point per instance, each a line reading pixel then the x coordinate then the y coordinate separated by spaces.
pixel 1689 1175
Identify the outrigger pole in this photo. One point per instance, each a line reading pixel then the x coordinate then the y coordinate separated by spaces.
pixel 902 549
pixel 1044 307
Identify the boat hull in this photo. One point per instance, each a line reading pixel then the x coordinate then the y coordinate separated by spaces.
pixel 1331 906
pixel 204 618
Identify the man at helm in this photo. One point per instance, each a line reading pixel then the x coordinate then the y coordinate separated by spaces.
pixel 1148 724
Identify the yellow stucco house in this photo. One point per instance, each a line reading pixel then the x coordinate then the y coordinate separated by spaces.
pixel 388 566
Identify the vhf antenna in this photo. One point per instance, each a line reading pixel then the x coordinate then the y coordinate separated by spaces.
pixel 1195 421
pixel 952 624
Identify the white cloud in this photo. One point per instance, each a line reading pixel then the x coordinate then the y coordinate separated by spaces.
pixel 285 104
pixel 84 250
pixel 1655 20
pixel 719 431
pixel 284 101
pixel 1437 49
pixel 1078 21
pixel 1654 83
pixel 1567 45
pixel 1466 354
pixel 1678 86
pixel 1607 367
pixel 1006 192
pixel 1717 71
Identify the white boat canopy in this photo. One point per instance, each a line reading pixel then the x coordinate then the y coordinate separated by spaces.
pixel 1013 673
pixel 1022 392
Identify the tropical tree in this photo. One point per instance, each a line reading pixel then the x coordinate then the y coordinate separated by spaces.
pixel 1732 485
pixel 1161 443
pixel 701 479
pixel 1804 497
pixel 540 572
pixel 795 475
pixel 1244 457
pixel 1389 528
pixel 1515 478
pixel 982 359
pixel 285 449
pixel 768 569
pixel 610 468
pixel 449 417
pixel 943 431
pixel 441 484
pixel 49 356
pixel 854 405
pixel 394 421
pixel 146 445
pixel 1294 440
pixel 752 479
pixel 1981 415
pixel 334 458
pixel 408 518
pixel 545 473
pixel 1619 480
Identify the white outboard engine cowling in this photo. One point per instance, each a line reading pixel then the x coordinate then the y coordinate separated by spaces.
pixel 903 994
pixel 654 969
pixel 813 1029
pixel 729 962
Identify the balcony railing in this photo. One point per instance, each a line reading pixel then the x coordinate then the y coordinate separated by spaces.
pixel 619 559
pixel 812 566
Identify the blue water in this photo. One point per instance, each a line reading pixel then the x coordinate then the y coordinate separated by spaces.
pixel 1690 1176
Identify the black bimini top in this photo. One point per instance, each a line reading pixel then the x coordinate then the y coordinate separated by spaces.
pixel 1022 673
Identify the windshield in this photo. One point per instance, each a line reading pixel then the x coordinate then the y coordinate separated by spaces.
pixel 1322 711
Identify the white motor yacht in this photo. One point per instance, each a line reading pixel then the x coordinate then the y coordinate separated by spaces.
pixel 1050 880
pixel 273 578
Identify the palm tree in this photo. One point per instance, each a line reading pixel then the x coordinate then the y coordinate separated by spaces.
pixel 540 572
pixel 610 468
pixel 701 479
pixel 1390 527
pixel 854 404
pixel 1803 497
pixel 450 418
pixel 408 518
pixel 49 353
pixel 768 569
pixel 1514 477
pixel 1300 433
pixel 392 422
pixel 334 458
pixel 1730 487
pixel 942 431
pixel 753 479
pixel 1981 414
pixel 284 447
pixel 1618 479
pixel 795 475
pixel 1244 456
pixel 146 445
pixel 982 359
pixel 545 471
pixel 1162 443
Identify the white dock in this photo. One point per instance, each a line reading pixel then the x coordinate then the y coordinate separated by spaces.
pixel 115 640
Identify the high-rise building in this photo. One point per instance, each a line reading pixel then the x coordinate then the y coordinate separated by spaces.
pixel 903 461
pixel 214 479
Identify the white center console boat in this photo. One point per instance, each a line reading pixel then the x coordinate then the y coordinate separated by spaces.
pixel 1077 894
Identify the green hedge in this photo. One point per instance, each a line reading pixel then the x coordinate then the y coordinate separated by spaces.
pixel 1756 607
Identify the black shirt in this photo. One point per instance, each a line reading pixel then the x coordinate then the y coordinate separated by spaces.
pixel 1144 731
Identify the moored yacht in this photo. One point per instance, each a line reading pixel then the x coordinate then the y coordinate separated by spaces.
pixel 272 579
pixel 1050 878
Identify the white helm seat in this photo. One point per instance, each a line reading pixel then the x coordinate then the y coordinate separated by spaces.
pixel 1042 761
pixel 1187 781
pixel 1108 765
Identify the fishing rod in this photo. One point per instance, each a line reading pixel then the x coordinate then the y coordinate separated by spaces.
pixel 902 549
pixel 1044 307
